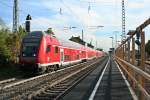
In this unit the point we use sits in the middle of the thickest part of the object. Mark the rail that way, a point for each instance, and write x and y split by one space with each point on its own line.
22 89
135 71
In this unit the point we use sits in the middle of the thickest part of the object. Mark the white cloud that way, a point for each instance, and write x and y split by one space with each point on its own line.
75 13
137 4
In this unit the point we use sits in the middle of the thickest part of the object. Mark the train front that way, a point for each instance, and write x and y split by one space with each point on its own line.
30 50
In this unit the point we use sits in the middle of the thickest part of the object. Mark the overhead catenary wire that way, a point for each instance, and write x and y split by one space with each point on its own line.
24 12
72 12
5 4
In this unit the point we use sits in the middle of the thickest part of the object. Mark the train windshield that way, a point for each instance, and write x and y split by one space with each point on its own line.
30 47
30 50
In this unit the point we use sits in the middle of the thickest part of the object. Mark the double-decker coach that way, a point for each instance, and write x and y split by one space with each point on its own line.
42 52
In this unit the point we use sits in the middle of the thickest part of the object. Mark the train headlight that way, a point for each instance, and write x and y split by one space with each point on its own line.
34 54
23 55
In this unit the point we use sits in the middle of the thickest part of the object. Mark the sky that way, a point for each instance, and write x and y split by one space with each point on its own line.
82 14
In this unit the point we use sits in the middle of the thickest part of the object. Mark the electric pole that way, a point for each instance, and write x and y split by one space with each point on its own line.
123 21
15 16
82 35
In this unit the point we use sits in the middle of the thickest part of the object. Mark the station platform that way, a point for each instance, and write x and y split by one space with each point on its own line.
112 85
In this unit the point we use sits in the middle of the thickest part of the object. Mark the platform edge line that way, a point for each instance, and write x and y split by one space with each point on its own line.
127 83
98 82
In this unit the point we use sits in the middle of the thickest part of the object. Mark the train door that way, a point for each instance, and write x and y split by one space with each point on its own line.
48 53
61 56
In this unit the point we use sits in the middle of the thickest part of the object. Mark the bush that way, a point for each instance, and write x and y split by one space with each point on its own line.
10 46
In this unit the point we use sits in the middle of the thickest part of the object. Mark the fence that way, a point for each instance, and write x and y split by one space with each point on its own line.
133 63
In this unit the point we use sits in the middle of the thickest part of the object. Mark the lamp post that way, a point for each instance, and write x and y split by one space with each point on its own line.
115 32
112 40
118 43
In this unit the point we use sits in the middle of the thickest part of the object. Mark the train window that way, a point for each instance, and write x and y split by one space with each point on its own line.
77 56
48 49
67 57
56 49
29 50
83 52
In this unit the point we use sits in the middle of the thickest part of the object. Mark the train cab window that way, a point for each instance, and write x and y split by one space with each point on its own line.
48 49
29 49
56 49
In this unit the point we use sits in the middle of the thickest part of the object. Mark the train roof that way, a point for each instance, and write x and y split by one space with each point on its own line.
70 44
36 33
63 42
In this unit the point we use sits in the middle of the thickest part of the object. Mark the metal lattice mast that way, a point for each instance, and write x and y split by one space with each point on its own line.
15 16
123 21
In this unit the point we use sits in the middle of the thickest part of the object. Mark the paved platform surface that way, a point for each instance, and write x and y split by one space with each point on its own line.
111 87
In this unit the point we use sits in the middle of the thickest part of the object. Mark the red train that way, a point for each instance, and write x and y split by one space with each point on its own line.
41 52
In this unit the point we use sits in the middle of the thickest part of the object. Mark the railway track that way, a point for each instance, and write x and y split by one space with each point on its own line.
6 82
23 76
26 89
57 91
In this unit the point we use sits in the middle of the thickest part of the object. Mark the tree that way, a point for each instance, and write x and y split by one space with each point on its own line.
4 49
14 43
49 31
10 45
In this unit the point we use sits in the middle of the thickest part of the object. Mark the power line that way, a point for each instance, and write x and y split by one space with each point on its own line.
5 4
9 6
16 13
89 8
71 11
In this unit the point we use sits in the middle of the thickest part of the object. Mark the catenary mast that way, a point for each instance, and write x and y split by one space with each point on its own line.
15 16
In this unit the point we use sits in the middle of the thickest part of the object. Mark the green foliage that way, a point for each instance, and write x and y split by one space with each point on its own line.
21 32
147 47
10 45
49 31
4 50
